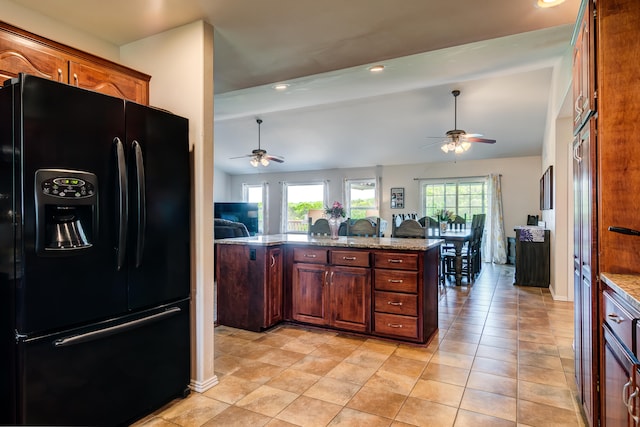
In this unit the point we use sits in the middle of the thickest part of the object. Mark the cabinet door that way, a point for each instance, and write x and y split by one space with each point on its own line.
108 81
350 298
618 384
19 55
309 294
583 66
273 300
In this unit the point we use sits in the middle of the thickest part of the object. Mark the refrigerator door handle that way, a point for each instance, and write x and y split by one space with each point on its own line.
142 211
103 333
123 207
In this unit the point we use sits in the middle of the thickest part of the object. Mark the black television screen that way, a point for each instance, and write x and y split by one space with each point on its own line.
246 213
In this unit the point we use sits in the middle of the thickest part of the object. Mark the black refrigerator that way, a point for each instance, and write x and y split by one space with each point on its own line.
94 256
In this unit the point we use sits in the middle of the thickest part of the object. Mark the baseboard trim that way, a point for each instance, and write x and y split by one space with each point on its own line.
202 386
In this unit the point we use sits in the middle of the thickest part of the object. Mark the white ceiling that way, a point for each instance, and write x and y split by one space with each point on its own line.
336 114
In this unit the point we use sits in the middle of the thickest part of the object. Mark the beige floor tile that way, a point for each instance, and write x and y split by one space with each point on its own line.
308 412
352 373
274 340
352 418
418 412
334 351
496 367
497 353
300 346
195 410
439 392
267 400
238 417
367 358
491 404
332 390
415 353
279 357
540 375
377 401
401 365
315 365
279 423
446 374
258 372
294 381
540 360
450 345
396 383
230 389
452 359
493 383
560 397
536 414
474 419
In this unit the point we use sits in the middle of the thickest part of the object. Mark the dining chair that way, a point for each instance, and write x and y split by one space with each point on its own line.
409 228
431 224
319 228
363 228
458 223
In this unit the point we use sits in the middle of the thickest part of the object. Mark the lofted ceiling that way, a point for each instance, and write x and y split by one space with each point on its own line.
337 114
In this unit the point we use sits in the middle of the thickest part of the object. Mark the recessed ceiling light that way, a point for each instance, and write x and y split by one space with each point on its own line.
281 86
549 3
376 68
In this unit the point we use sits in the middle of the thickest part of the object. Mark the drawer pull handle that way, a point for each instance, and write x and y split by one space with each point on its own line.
349 258
625 392
396 281
615 317
394 261
310 256
394 303
394 325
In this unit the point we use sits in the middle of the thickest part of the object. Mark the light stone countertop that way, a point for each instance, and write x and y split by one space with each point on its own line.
341 242
626 285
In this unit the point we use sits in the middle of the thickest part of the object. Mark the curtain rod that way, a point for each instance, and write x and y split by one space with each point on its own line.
454 177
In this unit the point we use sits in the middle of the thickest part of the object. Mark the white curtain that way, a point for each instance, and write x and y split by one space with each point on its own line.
494 246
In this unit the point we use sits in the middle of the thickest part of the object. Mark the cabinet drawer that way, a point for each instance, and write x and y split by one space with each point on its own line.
394 280
312 255
396 303
619 319
394 324
353 258
396 261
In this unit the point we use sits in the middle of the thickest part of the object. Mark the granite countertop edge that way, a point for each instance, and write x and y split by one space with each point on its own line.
341 242
627 286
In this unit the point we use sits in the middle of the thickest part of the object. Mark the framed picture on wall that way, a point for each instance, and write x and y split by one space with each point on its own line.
546 189
397 198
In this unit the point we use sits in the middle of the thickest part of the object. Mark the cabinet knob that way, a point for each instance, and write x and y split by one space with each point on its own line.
614 317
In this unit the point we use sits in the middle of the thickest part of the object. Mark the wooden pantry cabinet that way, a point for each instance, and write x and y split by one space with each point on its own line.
25 52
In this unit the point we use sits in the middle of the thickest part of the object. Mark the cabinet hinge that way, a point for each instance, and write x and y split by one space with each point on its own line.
595 94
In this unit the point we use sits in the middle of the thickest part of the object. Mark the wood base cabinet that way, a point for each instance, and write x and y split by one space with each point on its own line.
249 286
331 288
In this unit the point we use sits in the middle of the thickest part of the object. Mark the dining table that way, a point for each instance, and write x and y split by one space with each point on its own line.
457 237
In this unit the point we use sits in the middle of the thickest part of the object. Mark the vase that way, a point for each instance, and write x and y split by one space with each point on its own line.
334 226
443 226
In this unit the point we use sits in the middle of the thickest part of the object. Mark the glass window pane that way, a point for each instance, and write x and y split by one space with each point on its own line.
299 199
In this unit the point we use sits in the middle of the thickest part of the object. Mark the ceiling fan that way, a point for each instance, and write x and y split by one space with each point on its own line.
260 156
458 140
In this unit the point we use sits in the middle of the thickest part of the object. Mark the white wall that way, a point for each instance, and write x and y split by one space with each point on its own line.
181 63
520 185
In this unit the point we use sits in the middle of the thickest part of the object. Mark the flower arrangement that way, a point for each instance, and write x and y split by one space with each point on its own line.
336 210
445 215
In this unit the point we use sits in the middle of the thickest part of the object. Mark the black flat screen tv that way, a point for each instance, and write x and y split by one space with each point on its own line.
244 212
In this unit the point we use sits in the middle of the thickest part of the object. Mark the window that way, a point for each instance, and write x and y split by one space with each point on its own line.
298 199
464 196
361 198
256 194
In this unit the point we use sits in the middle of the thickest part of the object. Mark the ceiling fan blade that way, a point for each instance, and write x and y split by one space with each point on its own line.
485 140
242 157
274 158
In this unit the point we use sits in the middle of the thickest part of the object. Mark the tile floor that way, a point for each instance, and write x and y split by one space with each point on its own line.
502 357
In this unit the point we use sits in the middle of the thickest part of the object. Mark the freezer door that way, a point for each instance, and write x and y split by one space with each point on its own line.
107 374
159 182
62 129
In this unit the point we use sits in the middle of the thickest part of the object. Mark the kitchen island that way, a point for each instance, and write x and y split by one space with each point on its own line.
383 287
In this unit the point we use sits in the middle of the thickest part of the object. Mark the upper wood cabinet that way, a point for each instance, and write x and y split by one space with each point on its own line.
583 68
24 52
